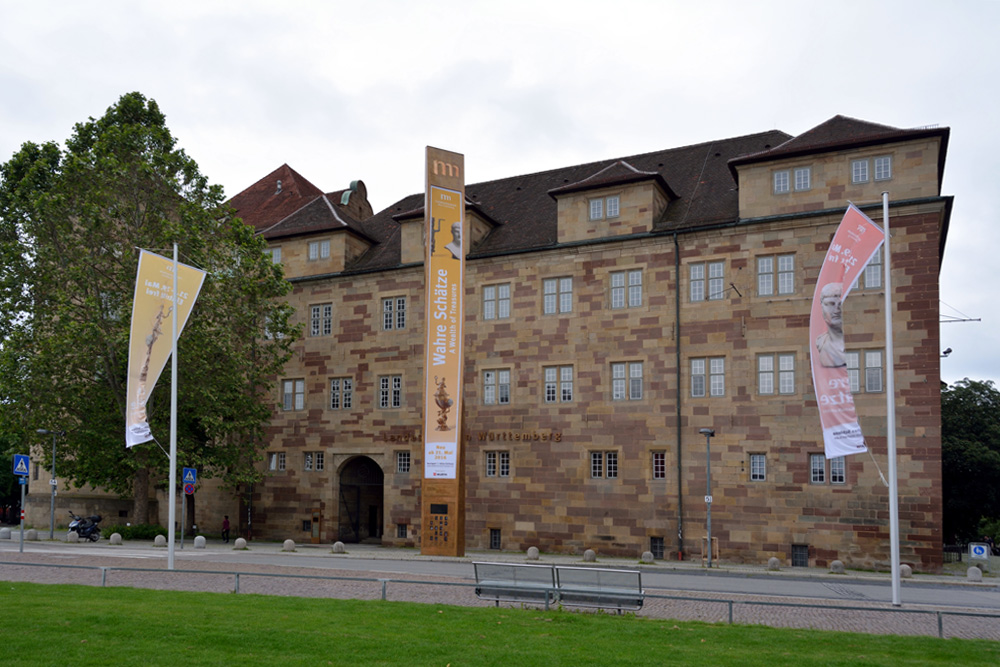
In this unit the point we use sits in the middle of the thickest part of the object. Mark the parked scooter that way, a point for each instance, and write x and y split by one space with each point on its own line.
86 527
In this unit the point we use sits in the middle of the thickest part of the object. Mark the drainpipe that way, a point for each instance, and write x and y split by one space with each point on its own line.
677 348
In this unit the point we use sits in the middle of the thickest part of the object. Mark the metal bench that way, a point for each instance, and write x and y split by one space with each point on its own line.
570 586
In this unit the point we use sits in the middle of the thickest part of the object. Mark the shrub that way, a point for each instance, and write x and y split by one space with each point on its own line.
139 531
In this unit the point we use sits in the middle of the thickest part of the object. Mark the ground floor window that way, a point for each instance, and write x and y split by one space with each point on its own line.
494 538
656 547
800 555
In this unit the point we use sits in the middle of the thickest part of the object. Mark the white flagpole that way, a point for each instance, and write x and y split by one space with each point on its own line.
890 399
172 512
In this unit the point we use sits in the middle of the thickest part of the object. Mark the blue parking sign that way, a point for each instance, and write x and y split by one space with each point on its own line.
22 463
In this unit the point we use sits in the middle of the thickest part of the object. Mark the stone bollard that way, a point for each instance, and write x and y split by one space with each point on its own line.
837 567
199 542
905 571
589 556
338 548
72 537
646 557
116 538
160 541
4 533
532 553
774 563
288 545
31 535
240 543
974 574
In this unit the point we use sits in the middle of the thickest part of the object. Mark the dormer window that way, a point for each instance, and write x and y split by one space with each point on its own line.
319 250
604 207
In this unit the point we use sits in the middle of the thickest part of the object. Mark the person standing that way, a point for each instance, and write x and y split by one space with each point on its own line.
225 528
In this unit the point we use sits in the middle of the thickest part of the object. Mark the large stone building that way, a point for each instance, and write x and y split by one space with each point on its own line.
613 310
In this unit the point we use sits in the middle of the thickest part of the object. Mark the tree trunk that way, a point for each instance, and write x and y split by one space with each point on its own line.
140 503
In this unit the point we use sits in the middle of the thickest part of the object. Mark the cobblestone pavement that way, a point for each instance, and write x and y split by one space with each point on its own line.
204 575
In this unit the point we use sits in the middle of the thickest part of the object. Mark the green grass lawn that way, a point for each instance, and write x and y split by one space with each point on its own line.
82 625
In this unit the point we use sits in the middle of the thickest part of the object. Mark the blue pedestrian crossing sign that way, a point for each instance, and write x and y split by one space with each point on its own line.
21 464
190 476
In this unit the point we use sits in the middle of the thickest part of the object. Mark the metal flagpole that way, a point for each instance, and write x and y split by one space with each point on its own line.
172 512
890 399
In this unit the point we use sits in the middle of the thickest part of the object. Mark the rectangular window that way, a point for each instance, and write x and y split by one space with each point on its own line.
859 171
293 394
274 254
853 370
498 464
341 393
775 271
308 463
611 206
491 464
277 461
390 393
321 320
803 178
319 250
597 464
710 289
717 376
883 168
558 384
558 295
604 464
656 547
800 555
505 464
776 372
873 371
401 530
838 470
495 538
496 387
402 462
659 465
626 381
496 302
781 183
596 209
817 468
758 468
873 272
394 313
604 208
626 289
698 384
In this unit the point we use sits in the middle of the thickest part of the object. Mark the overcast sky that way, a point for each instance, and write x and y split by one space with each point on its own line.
355 90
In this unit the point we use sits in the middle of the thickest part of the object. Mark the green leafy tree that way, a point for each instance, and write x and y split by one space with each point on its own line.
71 224
970 452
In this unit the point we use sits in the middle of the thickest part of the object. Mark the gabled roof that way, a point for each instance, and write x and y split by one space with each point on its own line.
841 133
619 172
274 198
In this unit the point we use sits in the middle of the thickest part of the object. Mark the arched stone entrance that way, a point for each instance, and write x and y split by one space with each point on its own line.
361 501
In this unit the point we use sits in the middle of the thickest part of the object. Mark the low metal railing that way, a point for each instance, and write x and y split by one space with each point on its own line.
383 583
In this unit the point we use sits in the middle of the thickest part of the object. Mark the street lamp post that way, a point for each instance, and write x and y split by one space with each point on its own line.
52 482
708 433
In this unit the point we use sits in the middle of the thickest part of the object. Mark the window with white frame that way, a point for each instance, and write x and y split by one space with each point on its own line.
775 275
758 468
394 313
557 295
818 469
402 462
708 376
883 168
781 182
496 387
496 302
308 462
314 461
498 463
321 319
274 253
626 289
859 171
871 277
604 465
707 281
293 394
776 373
319 250
871 373
390 391
803 178
626 381
341 393
558 384
604 207
659 465
277 461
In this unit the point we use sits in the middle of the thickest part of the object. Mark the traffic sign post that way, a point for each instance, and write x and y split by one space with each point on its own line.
979 551
189 476
22 465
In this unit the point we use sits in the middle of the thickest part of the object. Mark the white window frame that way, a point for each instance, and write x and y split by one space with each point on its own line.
776 274
321 319
307 462
390 394
781 182
557 295
626 289
776 373
604 464
873 371
659 463
883 168
319 250
393 313
859 171
496 301
274 253
803 179
707 281
716 376
341 393
600 208
626 381
496 386
402 462
277 462
293 395
833 472
838 470
558 386
758 468
817 469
